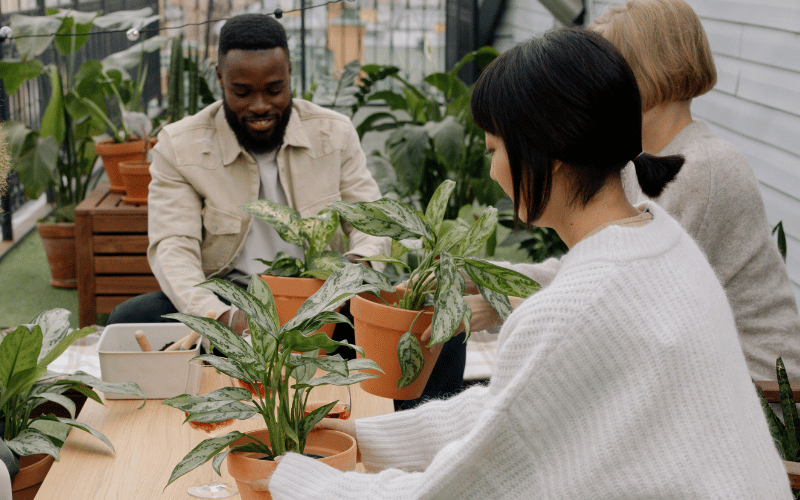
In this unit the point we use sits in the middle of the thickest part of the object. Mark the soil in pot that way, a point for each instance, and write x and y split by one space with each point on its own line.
58 239
337 449
113 153
32 472
378 328
136 178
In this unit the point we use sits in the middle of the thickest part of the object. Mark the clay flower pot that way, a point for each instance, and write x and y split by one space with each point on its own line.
337 449
58 239
113 153
136 178
290 293
33 469
378 329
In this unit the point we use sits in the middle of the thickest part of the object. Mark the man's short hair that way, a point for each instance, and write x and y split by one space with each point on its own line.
665 45
252 32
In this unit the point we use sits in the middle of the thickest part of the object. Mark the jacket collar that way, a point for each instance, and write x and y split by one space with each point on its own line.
230 148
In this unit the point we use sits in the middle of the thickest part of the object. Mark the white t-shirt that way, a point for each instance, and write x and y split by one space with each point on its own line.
262 241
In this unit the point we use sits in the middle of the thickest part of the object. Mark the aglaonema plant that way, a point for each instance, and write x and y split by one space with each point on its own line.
446 256
26 383
279 367
312 235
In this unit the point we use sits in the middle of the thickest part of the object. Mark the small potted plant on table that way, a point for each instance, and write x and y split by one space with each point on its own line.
292 280
278 373
388 327
31 441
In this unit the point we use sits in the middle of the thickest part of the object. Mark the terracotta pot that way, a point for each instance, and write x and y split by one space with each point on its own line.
793 469
136 178
58 239
290 293
378 329
337 449
114 152
32 471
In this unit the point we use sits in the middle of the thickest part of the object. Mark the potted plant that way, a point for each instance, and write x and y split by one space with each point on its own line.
437 281
292 280
278 368
32 441
62 153
785 433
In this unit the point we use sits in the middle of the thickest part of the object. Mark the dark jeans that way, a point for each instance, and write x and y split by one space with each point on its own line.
446 380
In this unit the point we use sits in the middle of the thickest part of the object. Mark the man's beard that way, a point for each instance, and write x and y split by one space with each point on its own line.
258 145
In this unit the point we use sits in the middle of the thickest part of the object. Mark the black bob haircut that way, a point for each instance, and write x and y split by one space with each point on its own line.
252 32
570 96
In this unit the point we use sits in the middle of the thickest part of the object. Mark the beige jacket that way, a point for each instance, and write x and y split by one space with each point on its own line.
201 176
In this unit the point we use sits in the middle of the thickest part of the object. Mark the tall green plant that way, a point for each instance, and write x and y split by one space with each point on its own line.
447 256
61 153
433 137
188 88
279 366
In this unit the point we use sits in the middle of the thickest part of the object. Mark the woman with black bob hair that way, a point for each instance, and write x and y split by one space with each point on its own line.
622 379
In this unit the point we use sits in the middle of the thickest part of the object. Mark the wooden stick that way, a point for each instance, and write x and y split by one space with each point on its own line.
176 346
141 338
188 341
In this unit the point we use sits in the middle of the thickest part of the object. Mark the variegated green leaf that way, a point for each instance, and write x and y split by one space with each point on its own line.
225 411
298 342
310 420
405 216
336 379
500 279
202 453
479 232
55 326
269 324
329 261
286 266
221 336
284 219
409 353
101 385
58 399
227 366
334 364
362 364
438 203
340 287
301 371
398 249
449 306
368 219
61 346
80 425
32 442
450 239
320 229
499 301
260 311
389 260
56 431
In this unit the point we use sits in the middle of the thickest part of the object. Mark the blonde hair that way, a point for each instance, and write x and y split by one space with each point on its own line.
665 45
5 161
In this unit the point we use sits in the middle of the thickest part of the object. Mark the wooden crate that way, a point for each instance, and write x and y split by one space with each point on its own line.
111 246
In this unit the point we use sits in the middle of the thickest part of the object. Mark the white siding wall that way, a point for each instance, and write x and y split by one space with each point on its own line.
756 103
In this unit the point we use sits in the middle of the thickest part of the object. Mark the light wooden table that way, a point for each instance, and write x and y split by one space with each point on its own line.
149 442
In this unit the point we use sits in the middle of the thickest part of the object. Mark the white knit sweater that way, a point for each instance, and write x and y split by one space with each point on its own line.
623 379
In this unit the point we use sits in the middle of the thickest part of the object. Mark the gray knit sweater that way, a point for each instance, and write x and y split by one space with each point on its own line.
623 379
716 199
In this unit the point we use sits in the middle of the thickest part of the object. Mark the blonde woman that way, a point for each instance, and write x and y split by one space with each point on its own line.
715 197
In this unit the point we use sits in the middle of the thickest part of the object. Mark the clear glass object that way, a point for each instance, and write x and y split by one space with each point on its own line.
324 394
204 378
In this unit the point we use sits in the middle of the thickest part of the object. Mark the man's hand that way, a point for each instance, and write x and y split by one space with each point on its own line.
355 259
239 323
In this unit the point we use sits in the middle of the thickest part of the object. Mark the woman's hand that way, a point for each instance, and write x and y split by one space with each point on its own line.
484 317
346 426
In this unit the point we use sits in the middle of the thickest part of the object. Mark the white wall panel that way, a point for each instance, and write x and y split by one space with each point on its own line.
771 47
727 74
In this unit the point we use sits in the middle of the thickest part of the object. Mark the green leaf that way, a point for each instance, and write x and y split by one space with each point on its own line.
406 147
19 351
260 310
368 219
393 99
776 427
53 124
37 165
86 428
202 453
438 204
479 232
55 327
298 342
124 19
405 216
33 442
133 55
320 230
452 237
790 417
336 379
17 73
227 366
449 306
335 364
500 279
368 124
449 140
286 266
328 261
221 336
31 34
101 385
309 421
409 353
499 301
78 25
285 220
264 332
450 85
60 400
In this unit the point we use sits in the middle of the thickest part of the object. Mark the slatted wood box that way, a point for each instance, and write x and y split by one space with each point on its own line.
111 246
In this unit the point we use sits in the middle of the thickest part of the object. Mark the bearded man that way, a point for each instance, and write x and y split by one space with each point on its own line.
257 143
